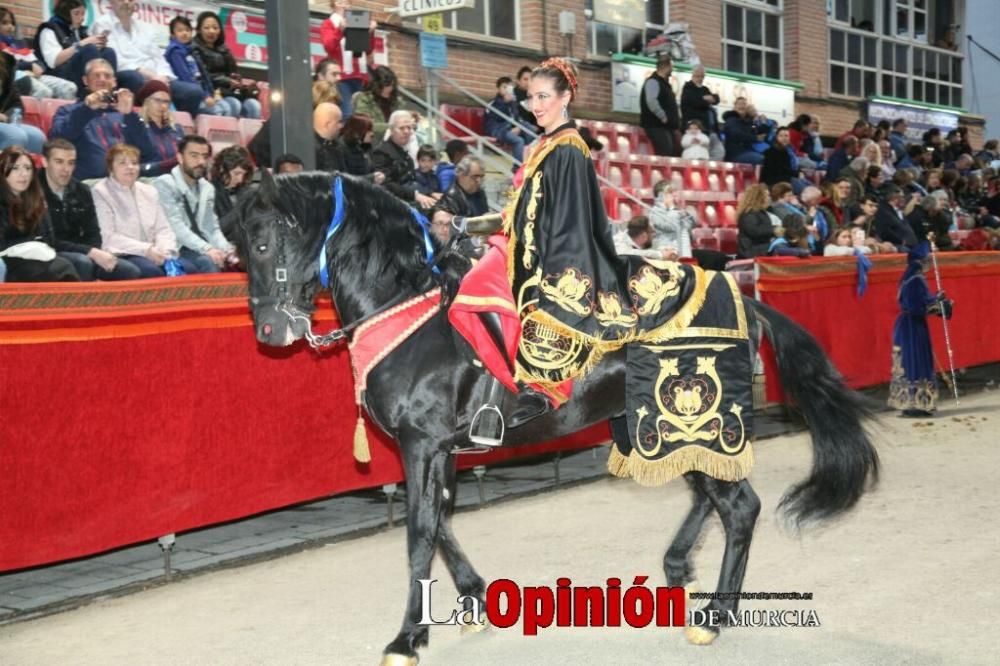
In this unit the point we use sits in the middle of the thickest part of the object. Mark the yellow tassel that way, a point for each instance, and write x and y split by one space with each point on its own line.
361 452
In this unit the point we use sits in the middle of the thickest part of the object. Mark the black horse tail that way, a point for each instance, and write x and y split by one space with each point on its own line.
844 460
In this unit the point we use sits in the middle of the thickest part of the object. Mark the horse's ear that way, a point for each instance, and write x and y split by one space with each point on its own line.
268 192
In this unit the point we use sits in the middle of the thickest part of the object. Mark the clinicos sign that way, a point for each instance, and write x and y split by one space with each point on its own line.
421 7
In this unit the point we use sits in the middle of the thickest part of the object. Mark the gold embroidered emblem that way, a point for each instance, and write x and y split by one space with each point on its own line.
611 313
650 289
689 409
545 348
570 290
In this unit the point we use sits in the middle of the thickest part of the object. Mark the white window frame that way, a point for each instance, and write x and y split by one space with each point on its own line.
764 8
591 30
912 46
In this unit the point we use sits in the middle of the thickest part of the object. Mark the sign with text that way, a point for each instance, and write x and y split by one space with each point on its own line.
775 102
918 120
433 23
627 13
410 8
433 51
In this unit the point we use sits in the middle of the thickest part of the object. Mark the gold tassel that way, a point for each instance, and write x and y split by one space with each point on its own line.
361 452
690 458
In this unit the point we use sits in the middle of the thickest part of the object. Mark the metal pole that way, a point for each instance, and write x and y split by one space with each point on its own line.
289 70
944 322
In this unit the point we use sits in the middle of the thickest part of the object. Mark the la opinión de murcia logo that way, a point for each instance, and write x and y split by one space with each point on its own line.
595 606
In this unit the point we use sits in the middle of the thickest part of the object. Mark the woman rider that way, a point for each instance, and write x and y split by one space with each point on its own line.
569 304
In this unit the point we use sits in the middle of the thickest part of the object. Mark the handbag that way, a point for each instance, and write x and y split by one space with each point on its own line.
33 250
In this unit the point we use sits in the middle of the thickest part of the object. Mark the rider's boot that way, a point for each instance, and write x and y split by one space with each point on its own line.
488 425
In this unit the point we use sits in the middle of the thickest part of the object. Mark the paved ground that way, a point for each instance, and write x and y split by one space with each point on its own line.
907 578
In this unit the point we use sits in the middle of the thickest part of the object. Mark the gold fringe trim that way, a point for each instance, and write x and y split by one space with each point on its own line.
691 458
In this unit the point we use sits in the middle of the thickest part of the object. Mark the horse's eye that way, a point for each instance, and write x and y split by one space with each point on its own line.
262 248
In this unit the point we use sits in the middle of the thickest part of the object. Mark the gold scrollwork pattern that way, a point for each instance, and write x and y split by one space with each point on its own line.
649 288
610 311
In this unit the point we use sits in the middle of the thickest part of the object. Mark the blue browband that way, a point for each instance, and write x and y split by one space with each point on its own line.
338 219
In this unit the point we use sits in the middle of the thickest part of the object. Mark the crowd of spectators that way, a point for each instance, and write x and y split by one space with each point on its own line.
125 193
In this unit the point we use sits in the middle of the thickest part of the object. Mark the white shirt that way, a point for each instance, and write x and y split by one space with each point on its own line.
50 47
136 49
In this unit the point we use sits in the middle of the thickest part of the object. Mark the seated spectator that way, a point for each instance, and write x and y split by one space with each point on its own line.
784 202
862 130
636 239
161 126
326 131
820 220
466 197
741 134
954 146
890 223
897 138
934 144
232 172
133 224
854 175
188 201
23 218
525 117
874 180
694 142
289 163
844 243
139 58
426 173
833 199
392 159
793 241
63 46
755 227
888 159
103 119
455 149
379 100
849 149
357 139
989 154
14 133
812 143
210 45
863 226
672 224
780 163
928 220
31 77
187 66
75 229
503 128
441 225
765 128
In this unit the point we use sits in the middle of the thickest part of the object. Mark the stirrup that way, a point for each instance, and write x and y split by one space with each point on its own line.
483 413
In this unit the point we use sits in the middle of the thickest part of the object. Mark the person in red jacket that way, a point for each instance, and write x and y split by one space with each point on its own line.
354 69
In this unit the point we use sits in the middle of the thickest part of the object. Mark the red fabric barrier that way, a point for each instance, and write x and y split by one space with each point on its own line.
129 411
821 295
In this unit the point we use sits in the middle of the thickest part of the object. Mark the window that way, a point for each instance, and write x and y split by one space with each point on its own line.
604 39
751 38
494 18
896 59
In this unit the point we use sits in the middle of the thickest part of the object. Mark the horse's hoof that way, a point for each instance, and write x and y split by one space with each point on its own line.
700 635
475 628
393 659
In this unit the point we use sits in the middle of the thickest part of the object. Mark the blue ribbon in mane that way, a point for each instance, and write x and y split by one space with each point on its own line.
338 219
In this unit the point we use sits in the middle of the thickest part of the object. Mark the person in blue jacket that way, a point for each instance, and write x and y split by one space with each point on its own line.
187 65
499 127
104 118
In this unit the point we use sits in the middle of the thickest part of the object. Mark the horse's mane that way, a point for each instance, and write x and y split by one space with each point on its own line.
379 235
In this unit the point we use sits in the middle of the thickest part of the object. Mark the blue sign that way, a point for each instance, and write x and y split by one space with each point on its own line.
918 119
433 51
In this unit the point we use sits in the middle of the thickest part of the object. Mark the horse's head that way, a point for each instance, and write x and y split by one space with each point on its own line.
279 250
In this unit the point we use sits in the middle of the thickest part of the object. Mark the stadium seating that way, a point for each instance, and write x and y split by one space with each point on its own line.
33 112
221 131
184 119
248 129
49 108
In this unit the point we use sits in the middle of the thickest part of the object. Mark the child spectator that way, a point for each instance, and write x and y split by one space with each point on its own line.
794 240
187 65
426 173
501 128
846 243
31 76
694 142
455 149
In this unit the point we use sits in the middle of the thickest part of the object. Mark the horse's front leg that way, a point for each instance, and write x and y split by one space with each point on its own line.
467 581
425 465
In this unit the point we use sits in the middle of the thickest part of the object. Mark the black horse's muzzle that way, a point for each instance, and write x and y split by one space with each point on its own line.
279 323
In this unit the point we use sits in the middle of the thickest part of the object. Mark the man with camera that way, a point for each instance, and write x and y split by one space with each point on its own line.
104 118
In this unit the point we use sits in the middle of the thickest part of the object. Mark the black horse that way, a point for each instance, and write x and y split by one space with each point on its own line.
422 393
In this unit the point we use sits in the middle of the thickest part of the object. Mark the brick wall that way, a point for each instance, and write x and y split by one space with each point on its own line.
28 13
